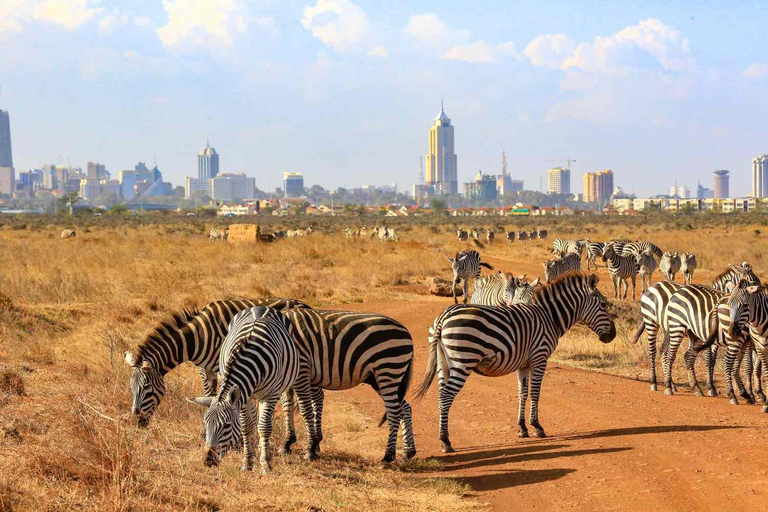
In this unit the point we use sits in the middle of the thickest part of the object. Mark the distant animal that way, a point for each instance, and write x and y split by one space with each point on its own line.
363 232
647 265
258 360
670 264
533 235
522 236
511 236
392 235
489 236
570 262
383 233
562 246
594 251
349 233
543 234
69 233
465 266
688 266
621 269
216 235
461 235
475 234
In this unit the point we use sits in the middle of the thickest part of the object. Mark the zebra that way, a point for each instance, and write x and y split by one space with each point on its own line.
502 289
621 268
635 248
383 233
594 250
475 234
646 264
670 264
489 236
495 341
511 237
363 232
543 234
688 266
347 349
194 336
522 236
461 235
69 233
216 234
392 236
349 233
562 265
533 235
259 360
466 265
562 246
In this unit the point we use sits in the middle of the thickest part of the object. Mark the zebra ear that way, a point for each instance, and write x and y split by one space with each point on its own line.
755 289
535 282
202 401
593 280
233 395
132 359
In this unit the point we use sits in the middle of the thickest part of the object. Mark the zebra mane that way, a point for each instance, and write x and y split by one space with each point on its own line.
725 274
177 321
559 282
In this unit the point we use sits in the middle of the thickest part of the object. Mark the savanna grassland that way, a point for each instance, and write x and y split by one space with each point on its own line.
70 308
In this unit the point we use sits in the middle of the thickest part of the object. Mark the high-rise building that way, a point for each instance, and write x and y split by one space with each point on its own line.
233 187
97 171
760 176
483 188
680 192
7 181
442 164
127 179
722 190
207 163
704 193
598 187
559 181
197 187
504 180
293 184
6 156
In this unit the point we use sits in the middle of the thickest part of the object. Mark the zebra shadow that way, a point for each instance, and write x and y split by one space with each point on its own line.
657 429
512 478
515 455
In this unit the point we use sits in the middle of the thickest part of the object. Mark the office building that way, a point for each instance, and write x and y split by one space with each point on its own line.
483 188
90 188
197 187
97 171
111 189
207 163
50 178
559 181
681 192
293 184
127 179
7 181
598 187
704 193
6 156
760 176
722 189
442 163
233 187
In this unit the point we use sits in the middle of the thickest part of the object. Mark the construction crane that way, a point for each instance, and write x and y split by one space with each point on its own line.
569 160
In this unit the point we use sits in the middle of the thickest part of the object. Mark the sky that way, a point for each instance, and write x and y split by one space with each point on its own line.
345 91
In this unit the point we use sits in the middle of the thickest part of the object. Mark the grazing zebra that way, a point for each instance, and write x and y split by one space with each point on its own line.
522 236
69 233
635 248
670 264
621 268
349 233
688 266
562 246
533 235
568 263
496 341
347 349
543 234
392 236
363 232
502 289
461 235
475 234
215 235
194 336
489 236
511 237
259 360
646 264
383 233
594 250
466 265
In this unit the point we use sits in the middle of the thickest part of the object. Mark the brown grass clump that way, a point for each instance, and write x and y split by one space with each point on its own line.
11 383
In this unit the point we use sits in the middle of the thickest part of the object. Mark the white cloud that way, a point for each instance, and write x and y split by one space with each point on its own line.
756 70
12 12
142 21
380 51
549 50
195 23
508 49
429 28
478 52
109 22
339 24
267 23
70 14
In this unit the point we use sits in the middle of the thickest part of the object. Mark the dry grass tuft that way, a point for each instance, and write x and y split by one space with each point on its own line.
11 383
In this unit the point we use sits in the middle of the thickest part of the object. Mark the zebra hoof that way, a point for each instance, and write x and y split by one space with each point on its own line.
522 433
409 454
733 401
760 398
285 450
654 387
668 391
539 432
698 392
246 469
310 455
712 392
446 447
765 408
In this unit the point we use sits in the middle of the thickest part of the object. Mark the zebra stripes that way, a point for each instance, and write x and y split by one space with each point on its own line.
635 248
216 234
496 341
647 265
461 235
489 236
621 268
502 289
562 246
259 360
68 233
522 236
594 251
465 266
511 236
570 262
670 264
346 349
543 234
755 310
688 266
194 336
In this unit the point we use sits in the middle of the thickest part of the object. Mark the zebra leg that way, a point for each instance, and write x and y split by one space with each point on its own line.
456 281
248 424
450 386
406 430
652 333
317 407
729 363
762 358
669 360
522 397
748 371
536 378
616 284
737 376
690 365
209 386
760 396
266 414
466 290
710 358
634 286
288 404
304 390
388 392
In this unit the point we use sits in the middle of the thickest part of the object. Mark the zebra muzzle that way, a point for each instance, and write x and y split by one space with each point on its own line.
211 457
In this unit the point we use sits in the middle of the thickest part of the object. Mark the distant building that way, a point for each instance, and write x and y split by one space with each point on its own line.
681 192
50 179
197 187
7 181
442 163
293 184
598 187
97 171
127 179
422 193
6 155
233 187
722 189
559 181
111 189
704 193
90 188
483 188
207 163
760 176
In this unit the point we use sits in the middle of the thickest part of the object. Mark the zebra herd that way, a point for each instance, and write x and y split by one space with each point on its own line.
464 234
383 233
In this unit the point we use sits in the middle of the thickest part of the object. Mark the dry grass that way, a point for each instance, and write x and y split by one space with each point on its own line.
69 308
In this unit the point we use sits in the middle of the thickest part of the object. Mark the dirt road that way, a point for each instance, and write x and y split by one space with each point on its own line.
613 444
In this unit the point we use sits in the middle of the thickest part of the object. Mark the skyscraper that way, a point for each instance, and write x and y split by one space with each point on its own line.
207 163
760 176
442 172
721 184
598 187
559 181
6 157
293 184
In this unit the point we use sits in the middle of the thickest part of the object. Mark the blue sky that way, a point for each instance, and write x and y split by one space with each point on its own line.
345 91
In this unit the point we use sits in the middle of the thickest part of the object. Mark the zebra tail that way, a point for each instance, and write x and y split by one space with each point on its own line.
638 333
483 264
665 344
435 344
704 345
405 383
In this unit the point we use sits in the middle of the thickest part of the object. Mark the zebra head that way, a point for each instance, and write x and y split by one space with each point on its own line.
594 310
746 272
147 387
738 305
524 290
609 252
222 423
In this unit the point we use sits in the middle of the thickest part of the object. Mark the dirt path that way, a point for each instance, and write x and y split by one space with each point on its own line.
613 444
